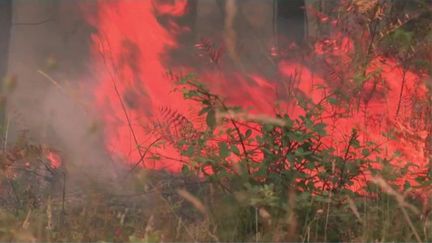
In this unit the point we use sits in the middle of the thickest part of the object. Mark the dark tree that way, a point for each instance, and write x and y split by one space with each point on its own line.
290 20
5 28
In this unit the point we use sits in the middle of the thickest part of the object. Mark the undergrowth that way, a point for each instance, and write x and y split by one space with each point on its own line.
245 177
248 178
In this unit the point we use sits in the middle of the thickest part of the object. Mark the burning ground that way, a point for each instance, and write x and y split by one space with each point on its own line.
180 109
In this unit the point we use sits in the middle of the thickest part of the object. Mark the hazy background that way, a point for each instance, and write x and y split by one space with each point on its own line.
52 36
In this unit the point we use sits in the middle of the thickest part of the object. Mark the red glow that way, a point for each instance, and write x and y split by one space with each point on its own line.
128 50
54 159
129 53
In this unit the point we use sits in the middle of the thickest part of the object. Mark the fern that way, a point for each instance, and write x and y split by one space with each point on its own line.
173 127
210 49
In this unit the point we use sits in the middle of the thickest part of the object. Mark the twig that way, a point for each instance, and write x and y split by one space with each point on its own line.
175 214
401 202
217 99
353 137
144 154
64 194
35 23
14 190
6 134
401 91
113 79
61 88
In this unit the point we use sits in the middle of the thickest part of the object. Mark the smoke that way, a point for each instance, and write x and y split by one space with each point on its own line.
106 58
49 55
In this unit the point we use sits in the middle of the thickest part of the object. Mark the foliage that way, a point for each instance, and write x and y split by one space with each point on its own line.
280 166
246 177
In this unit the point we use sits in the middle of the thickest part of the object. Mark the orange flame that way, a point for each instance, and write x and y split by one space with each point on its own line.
130 53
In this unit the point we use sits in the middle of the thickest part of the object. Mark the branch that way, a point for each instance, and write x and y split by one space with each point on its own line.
113 79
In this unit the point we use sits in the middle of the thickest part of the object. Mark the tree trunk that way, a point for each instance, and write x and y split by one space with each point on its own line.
5 28
290 21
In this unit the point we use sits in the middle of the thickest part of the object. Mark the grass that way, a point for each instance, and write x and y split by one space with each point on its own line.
159 206
42 203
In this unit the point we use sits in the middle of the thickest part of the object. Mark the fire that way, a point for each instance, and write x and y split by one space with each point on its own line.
54 159
130 54
128 57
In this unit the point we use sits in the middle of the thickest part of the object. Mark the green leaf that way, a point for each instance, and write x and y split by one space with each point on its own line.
332 100
322 199
359 78
407 185
268 127
288 121
235 150
189 151
320 129
390 134
248 133
310 165
189 77
397 154
300 152
204 110
365 152
308 122
185 169
211 119
223 149
297 136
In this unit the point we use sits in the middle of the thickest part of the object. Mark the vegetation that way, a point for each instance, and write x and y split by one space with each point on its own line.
245 177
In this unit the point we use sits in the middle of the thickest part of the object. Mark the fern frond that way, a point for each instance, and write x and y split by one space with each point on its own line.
173 126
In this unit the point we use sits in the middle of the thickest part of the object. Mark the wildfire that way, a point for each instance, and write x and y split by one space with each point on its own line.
131 53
